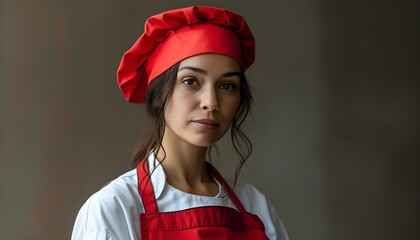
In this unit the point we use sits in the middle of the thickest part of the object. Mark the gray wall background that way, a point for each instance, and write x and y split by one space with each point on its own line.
335 123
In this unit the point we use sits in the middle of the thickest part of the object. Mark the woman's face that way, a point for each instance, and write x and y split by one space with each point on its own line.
205 98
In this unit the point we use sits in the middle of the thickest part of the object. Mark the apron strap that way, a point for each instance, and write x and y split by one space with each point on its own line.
228 189
145 187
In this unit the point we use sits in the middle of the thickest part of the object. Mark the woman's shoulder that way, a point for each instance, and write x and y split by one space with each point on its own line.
247 193
117 196
123 187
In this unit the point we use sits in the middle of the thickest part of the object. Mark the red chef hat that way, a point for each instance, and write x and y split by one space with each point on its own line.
175 35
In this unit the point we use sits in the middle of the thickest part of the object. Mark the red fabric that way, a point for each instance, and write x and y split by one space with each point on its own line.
174 35
213 222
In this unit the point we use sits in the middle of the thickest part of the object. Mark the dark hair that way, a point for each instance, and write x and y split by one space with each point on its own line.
158 94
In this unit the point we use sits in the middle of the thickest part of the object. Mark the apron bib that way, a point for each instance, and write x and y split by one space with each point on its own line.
208 222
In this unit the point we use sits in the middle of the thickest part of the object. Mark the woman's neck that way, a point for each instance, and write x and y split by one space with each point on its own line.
185 167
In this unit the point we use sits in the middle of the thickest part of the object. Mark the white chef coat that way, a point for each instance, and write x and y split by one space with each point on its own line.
113 213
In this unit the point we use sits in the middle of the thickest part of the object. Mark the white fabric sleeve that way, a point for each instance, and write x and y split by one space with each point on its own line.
88 225
110 214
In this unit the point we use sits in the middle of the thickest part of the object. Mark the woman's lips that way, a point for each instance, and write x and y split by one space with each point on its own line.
206 124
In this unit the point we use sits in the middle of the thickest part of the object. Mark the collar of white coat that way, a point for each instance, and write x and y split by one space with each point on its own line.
158 177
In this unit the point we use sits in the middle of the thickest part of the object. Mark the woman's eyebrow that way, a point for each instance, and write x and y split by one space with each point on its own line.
194 69
204 72
231 74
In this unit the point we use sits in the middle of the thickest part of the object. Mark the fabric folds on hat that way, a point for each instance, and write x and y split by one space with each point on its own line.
175 35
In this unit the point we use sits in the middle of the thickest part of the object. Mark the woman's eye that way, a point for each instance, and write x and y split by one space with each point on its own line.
189 81
228 86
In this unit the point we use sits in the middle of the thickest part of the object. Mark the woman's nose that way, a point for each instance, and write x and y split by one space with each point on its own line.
209 100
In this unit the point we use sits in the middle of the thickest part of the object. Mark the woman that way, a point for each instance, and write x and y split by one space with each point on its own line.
188 68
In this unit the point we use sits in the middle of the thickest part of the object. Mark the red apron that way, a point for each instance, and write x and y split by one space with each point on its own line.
211 222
